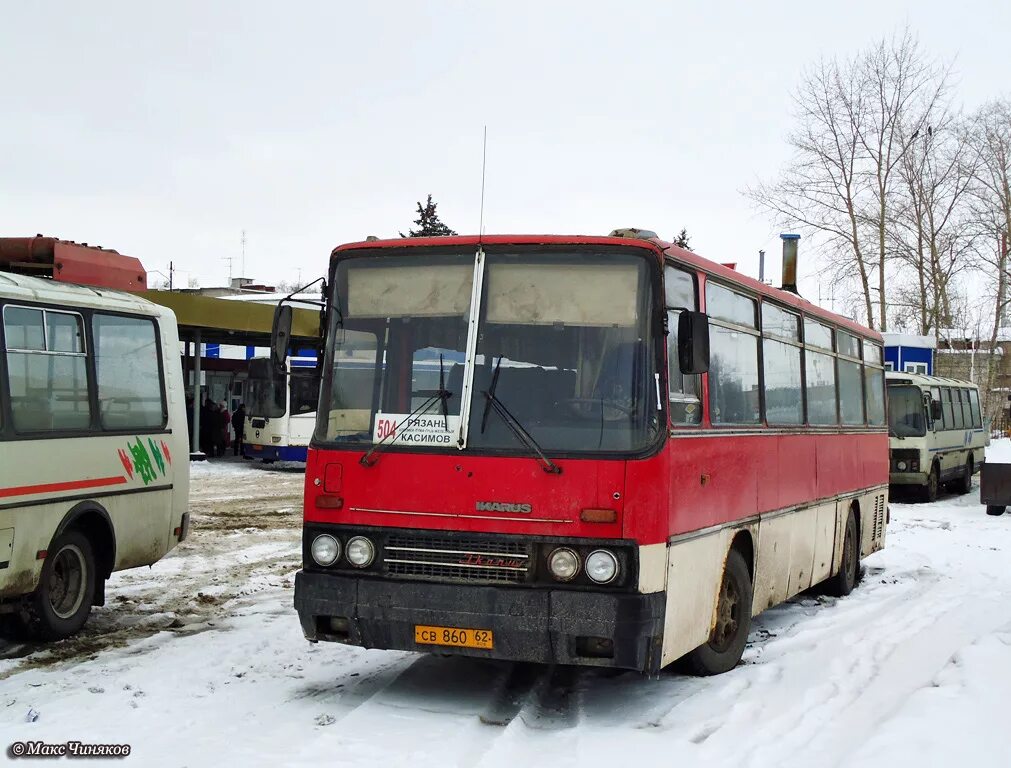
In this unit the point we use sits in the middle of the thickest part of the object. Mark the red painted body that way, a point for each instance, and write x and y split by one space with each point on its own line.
700 477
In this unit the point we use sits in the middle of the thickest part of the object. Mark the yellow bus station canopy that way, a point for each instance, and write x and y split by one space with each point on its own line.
226 321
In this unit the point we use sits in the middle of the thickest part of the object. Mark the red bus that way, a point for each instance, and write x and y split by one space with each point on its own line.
580 450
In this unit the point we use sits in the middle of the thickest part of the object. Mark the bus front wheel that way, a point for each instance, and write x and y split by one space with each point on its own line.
60 605
733 621
929 490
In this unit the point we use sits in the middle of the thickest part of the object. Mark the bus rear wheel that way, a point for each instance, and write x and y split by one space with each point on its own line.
733 622
995 509
60 605
964 484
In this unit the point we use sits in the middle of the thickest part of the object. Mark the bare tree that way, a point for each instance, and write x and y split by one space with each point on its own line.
990 133
933 235
822 186
856 121
902 88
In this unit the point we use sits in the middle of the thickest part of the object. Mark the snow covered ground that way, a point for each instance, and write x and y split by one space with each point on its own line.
200 660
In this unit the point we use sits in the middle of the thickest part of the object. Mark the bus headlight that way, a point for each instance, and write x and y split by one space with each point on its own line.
563 564
360 552
901 466
325 549
601 566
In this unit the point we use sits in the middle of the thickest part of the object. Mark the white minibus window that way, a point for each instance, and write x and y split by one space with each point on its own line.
48 384
129 385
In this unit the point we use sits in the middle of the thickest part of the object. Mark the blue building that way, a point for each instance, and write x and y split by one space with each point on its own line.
909 353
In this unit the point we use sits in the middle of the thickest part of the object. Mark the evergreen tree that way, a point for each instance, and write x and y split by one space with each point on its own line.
429 224
681 239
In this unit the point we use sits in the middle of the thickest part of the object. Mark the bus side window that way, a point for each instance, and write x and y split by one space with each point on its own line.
956 407
874 381
937 415
949 421
49 392
733 348
967 420
781 358
974 407
685 389
126 359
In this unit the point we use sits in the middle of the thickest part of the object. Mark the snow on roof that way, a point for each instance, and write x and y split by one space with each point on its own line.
909 340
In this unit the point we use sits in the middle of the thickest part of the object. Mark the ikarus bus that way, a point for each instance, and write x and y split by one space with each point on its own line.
94 469
936 433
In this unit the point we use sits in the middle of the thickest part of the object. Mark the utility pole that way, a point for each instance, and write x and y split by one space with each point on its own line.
170 272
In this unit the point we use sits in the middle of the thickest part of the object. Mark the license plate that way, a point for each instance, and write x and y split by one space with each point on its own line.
454 636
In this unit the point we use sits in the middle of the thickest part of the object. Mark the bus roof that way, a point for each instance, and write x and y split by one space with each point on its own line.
918 379
660 247
69 295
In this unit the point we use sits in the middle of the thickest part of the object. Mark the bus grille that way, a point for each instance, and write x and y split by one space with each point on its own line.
457 559
879 517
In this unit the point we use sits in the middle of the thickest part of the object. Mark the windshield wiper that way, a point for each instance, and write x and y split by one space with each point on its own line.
492 401
433 397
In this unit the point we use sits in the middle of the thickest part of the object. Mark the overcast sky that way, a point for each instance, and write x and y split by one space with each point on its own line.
165 133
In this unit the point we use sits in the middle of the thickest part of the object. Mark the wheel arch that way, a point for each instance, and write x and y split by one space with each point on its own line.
744 544
92 520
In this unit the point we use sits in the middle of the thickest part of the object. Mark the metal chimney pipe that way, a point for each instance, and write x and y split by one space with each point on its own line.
790 262
761 266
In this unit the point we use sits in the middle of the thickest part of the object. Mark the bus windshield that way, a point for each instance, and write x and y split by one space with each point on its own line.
906 416
564 345
263 396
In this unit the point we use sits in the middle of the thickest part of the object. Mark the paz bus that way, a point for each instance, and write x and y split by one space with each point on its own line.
627 453
94 457
936 433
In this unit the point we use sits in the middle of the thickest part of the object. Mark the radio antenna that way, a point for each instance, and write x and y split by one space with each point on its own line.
484 165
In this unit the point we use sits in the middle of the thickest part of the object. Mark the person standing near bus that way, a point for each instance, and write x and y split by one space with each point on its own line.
238 426
207 420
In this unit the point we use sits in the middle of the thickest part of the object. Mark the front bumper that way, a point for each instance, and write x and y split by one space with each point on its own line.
533 625
274 452
907 478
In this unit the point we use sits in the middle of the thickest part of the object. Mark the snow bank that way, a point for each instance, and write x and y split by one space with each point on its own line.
999 451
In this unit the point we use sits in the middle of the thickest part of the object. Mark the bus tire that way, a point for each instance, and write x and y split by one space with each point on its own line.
843 582
62 602
995 509
725 646
963 485
928 492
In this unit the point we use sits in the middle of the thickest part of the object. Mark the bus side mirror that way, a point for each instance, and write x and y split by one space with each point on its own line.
693 342
280 335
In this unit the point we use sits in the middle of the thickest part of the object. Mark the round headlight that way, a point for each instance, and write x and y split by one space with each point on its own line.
325 549
901 466
563 564
601 566
360 552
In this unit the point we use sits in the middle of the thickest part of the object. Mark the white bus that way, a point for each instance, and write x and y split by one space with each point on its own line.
285 437
936 433
94 460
